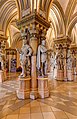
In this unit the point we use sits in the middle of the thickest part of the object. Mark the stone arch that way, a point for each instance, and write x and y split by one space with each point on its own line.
69 11
18 8
10 10
72 23
56 17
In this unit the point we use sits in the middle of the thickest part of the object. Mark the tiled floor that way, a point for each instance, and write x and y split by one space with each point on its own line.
62 103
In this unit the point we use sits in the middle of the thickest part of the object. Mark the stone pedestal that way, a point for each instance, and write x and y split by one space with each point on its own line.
43 91
5 75
24 88
70 75
60 75
50 76
75 74
2 77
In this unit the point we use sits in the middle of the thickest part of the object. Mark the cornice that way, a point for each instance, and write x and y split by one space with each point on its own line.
62 40
33 18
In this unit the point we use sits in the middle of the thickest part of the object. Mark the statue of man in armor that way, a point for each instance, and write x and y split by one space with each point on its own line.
25 54
42 59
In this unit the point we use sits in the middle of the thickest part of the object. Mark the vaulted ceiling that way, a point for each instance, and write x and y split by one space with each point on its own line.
63 17
61 13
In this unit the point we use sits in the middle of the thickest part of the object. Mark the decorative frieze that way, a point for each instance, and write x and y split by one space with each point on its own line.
33 18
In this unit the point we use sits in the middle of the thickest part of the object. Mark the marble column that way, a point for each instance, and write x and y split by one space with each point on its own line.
33 44
3 40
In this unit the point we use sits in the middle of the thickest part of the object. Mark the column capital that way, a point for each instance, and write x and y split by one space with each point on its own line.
3 38
73 48
33 18
63 41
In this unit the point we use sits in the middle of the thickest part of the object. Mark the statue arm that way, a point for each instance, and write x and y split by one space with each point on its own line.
18 50
30 51
38 57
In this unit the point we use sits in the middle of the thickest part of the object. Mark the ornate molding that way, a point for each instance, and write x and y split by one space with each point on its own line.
33 18
3 38
64 41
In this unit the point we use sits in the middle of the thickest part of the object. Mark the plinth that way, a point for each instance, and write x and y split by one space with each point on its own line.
50 76
60 75
24 88
70 75
2 76
43 91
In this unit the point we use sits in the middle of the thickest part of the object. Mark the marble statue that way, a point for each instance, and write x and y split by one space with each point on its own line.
60 60
1 60
69 60
53 65
25 54
52 60
42 59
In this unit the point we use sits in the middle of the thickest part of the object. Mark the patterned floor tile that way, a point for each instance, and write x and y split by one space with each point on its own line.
62 103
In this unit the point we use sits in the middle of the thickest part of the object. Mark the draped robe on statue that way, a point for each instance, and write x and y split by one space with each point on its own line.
42 59
1 61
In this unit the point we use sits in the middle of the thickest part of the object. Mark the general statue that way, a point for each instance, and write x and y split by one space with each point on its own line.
1 60
42 59
60 60
25 54
69 60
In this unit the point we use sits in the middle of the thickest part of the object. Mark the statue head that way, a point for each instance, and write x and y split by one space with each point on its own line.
43 42
25 41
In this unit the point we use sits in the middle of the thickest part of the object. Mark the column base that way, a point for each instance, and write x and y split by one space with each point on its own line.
2 76
65 79
5 75
33 95
50 76
23 94
24 88
43 91
60 75
70 75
